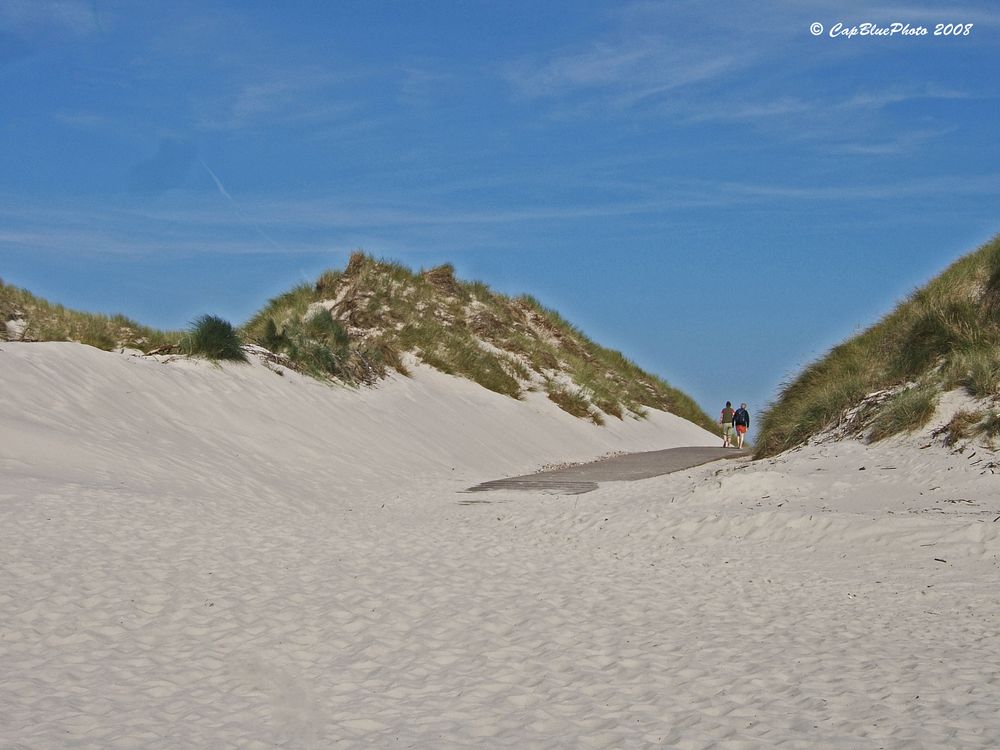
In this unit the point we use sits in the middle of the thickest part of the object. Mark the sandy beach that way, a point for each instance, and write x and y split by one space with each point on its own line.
198 555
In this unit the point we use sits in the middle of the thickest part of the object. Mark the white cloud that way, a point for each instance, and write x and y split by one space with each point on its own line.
283 97
623 75
901 143
751 66
83 119
216 180
928 187
649 52
792 111
75 16
420 85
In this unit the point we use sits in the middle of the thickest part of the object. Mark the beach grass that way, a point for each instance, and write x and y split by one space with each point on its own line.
908 410
44 321
963 425
944 335
990 426
355 325
213 337
574 402
509 345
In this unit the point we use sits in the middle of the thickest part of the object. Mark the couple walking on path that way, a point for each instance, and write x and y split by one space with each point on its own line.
738 419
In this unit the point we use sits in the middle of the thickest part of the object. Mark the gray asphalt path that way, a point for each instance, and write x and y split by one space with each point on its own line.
575 480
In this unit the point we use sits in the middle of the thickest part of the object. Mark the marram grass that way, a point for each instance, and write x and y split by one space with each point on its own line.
945 335
50 322
465 329
213 338
353 326
908 410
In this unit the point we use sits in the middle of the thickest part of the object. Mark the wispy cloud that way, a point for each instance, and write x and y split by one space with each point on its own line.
926 187
623 74
191 225
733 69
816 105
79 242
30 16
857 124
421 85
284 97
600 66
87 120
216 180
897 95
901 143
649 51
232 201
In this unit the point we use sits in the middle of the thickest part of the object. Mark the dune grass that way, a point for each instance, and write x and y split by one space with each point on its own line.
51 322
963 425
977 370
574 402
314 342
506 344
212 337
945 335
908 410
354 325
990 426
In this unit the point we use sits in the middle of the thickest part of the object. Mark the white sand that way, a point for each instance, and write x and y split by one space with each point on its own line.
196 556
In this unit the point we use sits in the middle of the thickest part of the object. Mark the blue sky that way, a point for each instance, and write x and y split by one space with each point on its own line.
720 194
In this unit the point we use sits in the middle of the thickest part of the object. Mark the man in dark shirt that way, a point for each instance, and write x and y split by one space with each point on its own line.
741 421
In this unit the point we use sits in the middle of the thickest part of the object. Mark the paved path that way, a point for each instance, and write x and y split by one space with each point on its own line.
575 480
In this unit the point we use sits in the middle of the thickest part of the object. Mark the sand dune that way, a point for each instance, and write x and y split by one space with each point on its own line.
197 556
86 414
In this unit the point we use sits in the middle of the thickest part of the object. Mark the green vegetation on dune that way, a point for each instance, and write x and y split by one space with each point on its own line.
463 328
213 338
39 320
354 326
909 409
945 335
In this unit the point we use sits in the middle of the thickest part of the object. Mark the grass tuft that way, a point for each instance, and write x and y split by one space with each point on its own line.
575 403
908 410
213 338
321 326
991 291
991 426
963 425
975 369
326 284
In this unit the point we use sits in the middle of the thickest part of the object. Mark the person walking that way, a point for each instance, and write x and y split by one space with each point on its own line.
741 421
726 420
